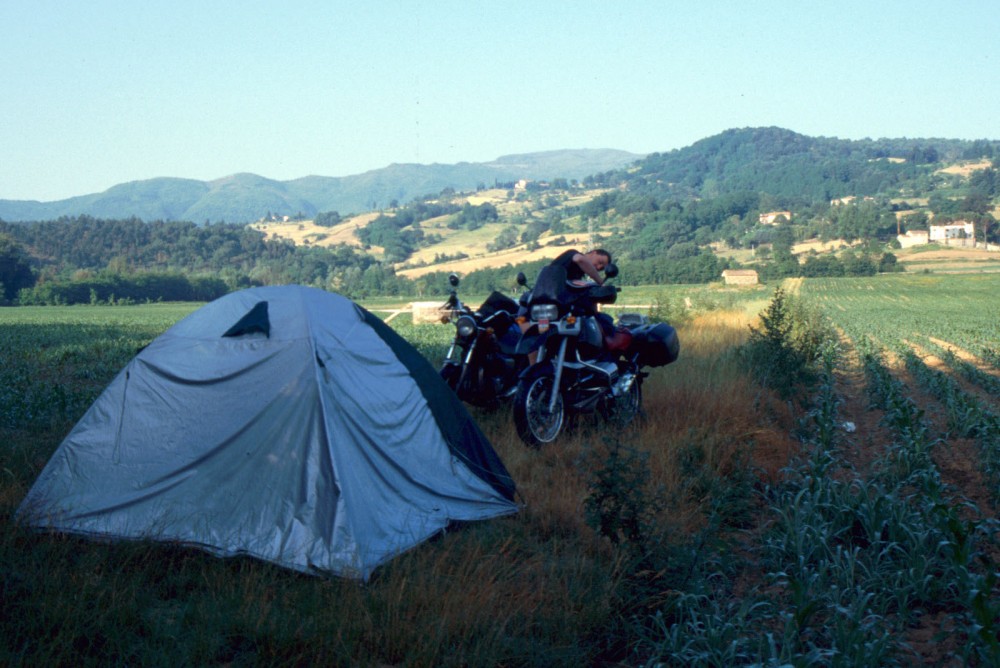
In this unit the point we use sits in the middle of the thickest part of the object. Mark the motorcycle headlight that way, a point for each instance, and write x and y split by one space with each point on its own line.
548 312
465 326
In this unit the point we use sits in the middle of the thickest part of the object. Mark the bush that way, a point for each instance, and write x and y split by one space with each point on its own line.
784 352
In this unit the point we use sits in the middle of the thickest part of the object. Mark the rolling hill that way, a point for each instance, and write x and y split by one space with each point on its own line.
680 216
244 198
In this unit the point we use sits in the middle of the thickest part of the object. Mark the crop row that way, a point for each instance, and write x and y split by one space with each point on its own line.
969 592
967 416
991 355
852 559
960 309
970 372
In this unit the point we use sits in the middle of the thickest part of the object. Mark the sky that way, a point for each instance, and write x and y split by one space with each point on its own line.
104 92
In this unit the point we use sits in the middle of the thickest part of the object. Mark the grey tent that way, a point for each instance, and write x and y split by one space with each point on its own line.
287 423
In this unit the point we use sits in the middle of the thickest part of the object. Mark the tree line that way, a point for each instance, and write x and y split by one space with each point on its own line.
83 259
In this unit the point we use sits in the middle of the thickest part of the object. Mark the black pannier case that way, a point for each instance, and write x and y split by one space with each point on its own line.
657 344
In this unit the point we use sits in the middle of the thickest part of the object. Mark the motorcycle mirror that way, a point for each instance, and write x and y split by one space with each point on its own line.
611 270
521 278
453 279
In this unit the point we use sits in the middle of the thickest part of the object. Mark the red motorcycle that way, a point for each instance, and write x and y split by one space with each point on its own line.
482 365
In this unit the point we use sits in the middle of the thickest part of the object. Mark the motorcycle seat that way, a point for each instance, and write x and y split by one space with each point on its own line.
619 340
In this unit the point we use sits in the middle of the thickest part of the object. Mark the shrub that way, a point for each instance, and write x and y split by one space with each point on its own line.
783 353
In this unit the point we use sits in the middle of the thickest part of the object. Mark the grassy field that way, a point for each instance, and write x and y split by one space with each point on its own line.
848 522
949 259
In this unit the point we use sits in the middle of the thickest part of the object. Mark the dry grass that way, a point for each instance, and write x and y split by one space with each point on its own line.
540 587
472 243
480 258
956 260
307 232
965 168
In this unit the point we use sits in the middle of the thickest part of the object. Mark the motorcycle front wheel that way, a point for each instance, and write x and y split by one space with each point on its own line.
536 424
450 374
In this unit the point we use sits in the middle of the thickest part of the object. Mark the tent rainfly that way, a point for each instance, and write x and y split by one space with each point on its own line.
286 423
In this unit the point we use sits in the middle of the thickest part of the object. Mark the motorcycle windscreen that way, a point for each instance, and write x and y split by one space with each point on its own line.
550 286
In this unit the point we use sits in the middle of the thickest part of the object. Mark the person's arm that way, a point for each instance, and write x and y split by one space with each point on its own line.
588 267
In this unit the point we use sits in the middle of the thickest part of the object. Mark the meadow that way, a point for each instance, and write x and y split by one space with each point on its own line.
849 521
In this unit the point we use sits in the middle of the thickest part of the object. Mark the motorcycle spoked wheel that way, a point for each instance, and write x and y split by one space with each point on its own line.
624 410
536 424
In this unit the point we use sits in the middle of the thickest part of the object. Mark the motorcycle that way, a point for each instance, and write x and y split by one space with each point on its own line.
481 365
585 362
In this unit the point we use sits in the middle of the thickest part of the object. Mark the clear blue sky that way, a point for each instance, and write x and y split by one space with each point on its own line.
103 92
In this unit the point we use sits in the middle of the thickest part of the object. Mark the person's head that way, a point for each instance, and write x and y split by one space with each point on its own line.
600 258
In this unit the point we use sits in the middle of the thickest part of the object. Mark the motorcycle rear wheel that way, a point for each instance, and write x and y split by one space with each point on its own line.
536 424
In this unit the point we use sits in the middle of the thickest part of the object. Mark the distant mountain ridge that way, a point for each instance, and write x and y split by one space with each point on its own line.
244 198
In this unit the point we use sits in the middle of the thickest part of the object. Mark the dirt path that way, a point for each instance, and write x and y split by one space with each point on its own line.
935 362
865 437
967 356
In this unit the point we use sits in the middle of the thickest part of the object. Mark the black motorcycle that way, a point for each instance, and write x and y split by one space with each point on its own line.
585 362
482 365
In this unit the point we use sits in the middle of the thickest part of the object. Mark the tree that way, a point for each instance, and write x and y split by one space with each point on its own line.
327 218
985 181
15 271
977 202
506 239
915 221
887 263
822 265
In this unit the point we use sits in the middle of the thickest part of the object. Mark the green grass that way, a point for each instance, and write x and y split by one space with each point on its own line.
743 545
540 587
963 310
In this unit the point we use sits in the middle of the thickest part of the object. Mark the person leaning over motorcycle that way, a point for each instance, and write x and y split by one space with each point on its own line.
590 264
578 265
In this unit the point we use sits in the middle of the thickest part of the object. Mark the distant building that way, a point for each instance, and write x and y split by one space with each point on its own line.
427 312
771 217
740 277
913 238
959 233
850 199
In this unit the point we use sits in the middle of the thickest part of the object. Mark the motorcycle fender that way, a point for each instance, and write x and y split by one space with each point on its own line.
536 371
531 340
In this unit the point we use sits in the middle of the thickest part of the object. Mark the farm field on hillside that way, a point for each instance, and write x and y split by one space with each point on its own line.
949 259
851 521
963 311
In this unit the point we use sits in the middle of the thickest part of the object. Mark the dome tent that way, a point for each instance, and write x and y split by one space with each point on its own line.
286 423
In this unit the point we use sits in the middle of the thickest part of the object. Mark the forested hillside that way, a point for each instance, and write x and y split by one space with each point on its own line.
88 259
677 217
786 164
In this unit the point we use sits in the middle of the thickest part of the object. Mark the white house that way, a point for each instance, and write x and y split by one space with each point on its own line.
913 238
740 277
771 217
959 231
